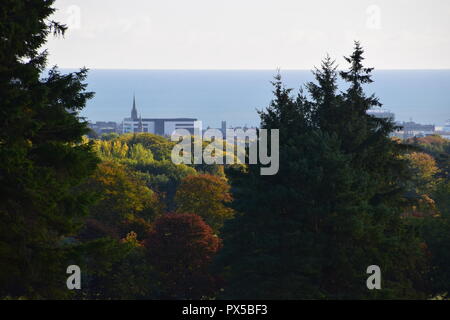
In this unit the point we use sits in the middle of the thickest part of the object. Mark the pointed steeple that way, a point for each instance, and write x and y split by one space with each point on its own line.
134 110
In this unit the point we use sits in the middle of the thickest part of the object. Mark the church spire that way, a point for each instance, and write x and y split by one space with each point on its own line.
134 110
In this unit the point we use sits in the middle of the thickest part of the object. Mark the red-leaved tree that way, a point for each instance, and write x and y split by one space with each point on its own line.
181 247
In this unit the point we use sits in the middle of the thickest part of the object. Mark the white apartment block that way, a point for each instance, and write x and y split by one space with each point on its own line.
160 126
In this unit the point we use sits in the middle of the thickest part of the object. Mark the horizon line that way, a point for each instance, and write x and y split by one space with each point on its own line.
243 69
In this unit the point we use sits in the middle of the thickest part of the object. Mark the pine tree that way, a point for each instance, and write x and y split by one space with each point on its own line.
334 207
42 157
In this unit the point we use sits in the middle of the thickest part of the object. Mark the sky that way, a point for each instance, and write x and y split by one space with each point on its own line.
250 34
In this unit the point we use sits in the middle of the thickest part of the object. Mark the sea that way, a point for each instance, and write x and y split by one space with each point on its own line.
235 96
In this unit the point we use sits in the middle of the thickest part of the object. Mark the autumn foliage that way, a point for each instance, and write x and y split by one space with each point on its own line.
181 247
124 202
346 196
207 196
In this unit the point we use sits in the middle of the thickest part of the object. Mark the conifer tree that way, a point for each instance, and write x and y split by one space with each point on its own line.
42 157
333 209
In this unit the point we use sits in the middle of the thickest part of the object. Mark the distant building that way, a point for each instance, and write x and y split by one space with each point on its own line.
446 128
223 128
160 126
412 129
101 127
381 113
408 129
444 131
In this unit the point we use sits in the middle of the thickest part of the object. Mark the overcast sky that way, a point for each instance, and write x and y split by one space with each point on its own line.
250 34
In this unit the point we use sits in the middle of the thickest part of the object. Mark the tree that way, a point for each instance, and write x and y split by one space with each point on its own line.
423 183
164 177
42 157
159 146
125 203
207 196
116 150
148 156
109 136
115 269
333 209
424 169
181 247
437 147
435 228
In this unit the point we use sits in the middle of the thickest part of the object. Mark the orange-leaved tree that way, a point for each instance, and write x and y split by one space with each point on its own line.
181 247
207 196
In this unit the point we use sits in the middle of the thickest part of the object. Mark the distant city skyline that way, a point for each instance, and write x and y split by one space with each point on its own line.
251 34
234 96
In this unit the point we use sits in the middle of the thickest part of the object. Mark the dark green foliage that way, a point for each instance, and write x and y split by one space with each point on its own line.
435 227
113 269
165 177
442 197
333 209
435 231
310 231
42 158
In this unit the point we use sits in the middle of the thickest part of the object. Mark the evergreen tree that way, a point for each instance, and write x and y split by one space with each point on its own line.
42 158
334 207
